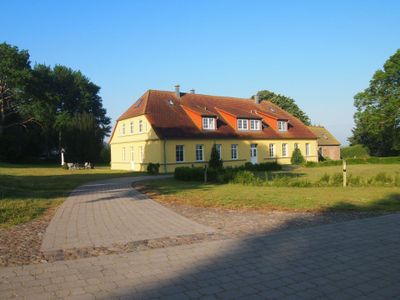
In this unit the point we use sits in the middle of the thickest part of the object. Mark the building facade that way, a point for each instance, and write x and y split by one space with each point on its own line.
328 145
179 129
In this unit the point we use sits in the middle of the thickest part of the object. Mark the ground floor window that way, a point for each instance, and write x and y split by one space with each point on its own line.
199 153
123 154
141 154
234 151
284 150
179 152
219 150
271 150
132 154
307 149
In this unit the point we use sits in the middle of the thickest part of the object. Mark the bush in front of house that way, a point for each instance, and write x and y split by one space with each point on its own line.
265 167
215 162
189 174
297 157
153 169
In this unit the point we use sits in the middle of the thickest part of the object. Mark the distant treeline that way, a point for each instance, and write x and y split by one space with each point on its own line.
44 109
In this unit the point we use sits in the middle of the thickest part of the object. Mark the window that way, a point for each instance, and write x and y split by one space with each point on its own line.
179 150
219 150
132 154
199 153
307 149
123 128
141 154
242 124
271 150
123 154
282 125
209 123
234 151
131 127
255 124
140 126
284 150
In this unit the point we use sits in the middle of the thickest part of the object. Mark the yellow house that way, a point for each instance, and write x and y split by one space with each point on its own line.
179 129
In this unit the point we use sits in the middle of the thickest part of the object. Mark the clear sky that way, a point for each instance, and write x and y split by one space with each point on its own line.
321 53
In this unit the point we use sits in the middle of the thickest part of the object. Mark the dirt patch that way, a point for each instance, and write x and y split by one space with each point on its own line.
21 243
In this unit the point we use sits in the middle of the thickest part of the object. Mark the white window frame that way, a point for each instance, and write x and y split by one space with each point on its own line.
140 126
285 150
234 151
132 154
123 154
131 127
272 152
219 150
208 123
307 149
243 124
280 127
255 124
141 154
182 149
199 153
123 129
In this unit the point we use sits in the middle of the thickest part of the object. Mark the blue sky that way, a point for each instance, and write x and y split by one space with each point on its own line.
321 53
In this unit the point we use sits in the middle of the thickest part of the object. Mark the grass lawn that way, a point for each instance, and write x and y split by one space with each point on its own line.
286 198
26 191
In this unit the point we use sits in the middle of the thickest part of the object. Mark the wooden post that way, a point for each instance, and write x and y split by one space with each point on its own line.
344 173
205 174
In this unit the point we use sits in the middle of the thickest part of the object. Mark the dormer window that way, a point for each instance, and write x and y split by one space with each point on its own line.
255 124
208 123
282 125
242 124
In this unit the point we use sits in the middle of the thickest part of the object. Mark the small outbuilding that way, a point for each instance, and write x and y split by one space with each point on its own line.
328 145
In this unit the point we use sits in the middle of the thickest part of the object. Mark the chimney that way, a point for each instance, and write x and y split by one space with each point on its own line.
257 99
192 91
178 91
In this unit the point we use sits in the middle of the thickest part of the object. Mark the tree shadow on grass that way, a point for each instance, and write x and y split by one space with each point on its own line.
337 261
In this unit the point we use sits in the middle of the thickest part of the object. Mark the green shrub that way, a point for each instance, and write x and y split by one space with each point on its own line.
337 179
244 177
268 166
356 151
153 169
189 174
324 180
64 166
215 162
383 179
297 157
354 180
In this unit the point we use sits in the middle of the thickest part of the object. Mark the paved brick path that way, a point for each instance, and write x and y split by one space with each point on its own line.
350 260
109 212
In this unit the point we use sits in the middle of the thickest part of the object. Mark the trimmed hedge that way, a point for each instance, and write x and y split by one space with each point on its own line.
356 161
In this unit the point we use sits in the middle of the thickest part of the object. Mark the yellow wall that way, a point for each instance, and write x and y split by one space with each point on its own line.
153 149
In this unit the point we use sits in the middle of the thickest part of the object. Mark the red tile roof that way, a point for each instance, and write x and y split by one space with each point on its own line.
169 120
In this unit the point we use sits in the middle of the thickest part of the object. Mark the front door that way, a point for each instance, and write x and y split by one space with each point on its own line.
253 153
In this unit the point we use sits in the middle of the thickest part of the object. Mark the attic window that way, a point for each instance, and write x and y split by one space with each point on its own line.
170 102
255 124
282 125
242 124
208 123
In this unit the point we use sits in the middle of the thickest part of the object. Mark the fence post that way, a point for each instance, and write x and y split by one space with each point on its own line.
344 173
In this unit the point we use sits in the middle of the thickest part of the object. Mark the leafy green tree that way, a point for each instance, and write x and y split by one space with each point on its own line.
286 103
215 162
297 158
377 120
14 73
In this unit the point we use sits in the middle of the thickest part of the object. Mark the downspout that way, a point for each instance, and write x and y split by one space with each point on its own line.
165 156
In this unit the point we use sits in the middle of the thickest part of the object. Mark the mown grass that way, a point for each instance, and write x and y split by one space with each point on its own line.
238 196
27 191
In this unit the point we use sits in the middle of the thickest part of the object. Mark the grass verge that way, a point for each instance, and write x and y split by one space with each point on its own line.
27 191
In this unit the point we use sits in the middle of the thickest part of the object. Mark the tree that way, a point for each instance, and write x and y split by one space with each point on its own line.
286 103
377 119
14 73
297 158
215 162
